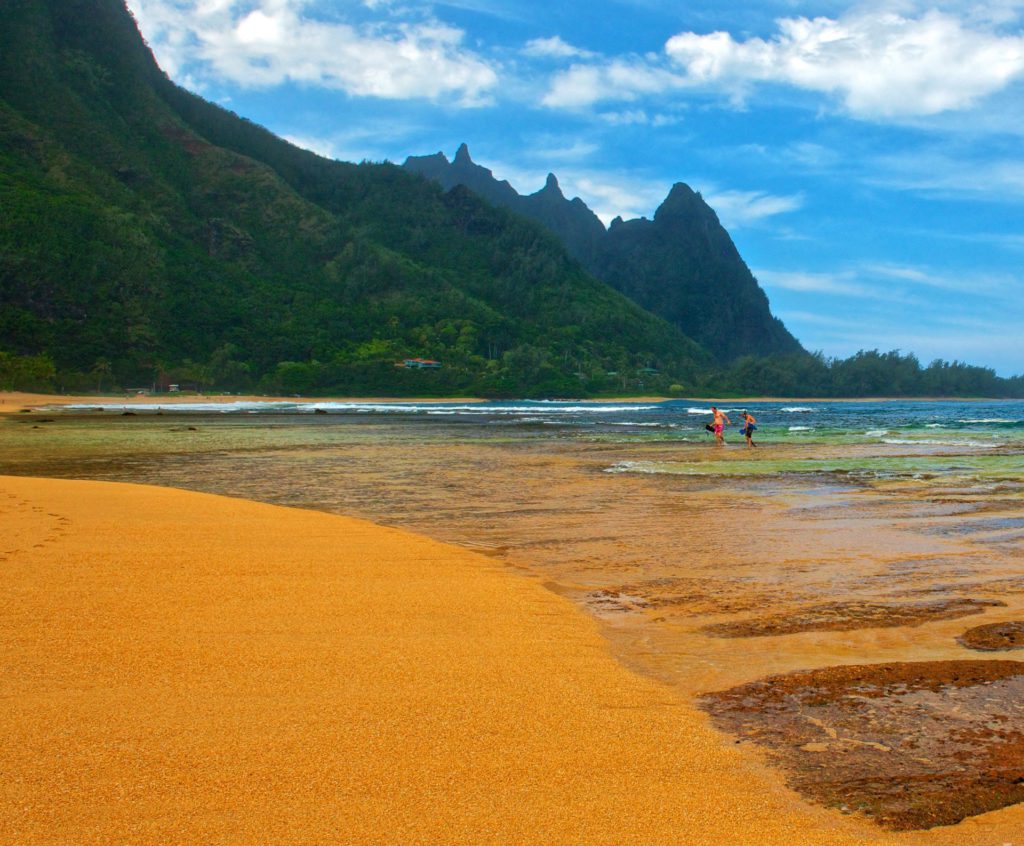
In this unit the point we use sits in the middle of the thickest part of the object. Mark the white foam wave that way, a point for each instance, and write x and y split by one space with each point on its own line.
505 409
299 407
876 433
637 423
224 407
932 442
796 409
990 420
801 428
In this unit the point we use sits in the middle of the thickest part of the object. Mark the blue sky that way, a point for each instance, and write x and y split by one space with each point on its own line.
867 158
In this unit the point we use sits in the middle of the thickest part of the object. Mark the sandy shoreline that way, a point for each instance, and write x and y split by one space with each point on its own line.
12 402
187 668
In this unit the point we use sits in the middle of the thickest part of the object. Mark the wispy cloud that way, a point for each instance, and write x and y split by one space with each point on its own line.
945 173
583 85
572 150
554 48
886 281
743 208
971 283
843 284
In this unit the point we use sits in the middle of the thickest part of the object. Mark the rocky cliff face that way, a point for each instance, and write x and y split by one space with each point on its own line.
682 266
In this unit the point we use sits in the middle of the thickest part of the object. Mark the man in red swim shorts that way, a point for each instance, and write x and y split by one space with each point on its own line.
721 420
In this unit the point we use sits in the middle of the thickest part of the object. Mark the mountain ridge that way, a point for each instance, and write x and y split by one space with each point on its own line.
706 290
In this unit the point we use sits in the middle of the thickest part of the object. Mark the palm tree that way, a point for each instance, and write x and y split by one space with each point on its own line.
100 370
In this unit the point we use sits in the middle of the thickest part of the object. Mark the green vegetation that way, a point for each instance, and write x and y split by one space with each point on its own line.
866 374
150 237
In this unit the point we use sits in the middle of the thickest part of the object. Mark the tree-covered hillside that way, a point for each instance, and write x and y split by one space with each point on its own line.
149 234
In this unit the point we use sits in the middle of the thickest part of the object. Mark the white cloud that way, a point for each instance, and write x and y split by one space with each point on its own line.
554 48
612 195
742 208
320 146
582 85
275 43
879 64
836 284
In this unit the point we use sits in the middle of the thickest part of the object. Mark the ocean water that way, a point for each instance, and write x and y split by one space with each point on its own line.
954 442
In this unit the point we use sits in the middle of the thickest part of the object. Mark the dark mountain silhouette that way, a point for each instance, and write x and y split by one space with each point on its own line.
682 266
576 226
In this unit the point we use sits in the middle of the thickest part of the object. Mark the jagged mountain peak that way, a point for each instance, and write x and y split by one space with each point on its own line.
682 265
462 156
683 201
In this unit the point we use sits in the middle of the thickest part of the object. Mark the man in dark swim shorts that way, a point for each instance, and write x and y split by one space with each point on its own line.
748 428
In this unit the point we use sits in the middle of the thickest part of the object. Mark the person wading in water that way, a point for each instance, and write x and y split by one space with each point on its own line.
748 428
721 420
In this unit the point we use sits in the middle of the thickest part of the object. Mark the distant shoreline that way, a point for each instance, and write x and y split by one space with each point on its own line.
13 402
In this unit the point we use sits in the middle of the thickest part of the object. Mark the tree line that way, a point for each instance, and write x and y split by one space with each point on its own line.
374 367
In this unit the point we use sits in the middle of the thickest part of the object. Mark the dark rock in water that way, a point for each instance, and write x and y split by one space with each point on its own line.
850 616
913 745
319 411
127 413
995 637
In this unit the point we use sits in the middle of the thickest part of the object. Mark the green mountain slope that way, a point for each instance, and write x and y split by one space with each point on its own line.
146 231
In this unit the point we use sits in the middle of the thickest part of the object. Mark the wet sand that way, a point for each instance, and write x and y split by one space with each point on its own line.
182 668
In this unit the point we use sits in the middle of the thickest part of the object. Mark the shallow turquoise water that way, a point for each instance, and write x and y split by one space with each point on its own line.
951 442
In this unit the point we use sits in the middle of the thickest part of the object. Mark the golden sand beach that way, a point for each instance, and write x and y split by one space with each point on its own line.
186 668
